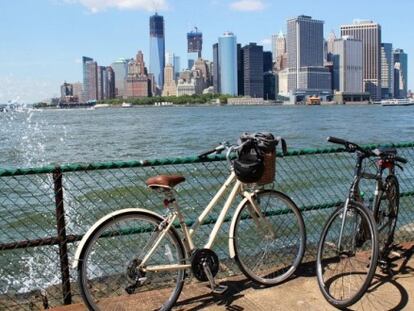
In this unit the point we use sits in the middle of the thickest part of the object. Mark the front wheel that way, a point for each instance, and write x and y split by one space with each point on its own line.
347 255
269 237
111 276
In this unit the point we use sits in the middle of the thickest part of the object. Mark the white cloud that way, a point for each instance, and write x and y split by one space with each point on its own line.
247 5
95 6
266 41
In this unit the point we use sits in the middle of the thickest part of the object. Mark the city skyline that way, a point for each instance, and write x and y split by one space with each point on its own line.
35 63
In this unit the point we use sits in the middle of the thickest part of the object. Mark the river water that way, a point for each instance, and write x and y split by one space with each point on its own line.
36 137
30 138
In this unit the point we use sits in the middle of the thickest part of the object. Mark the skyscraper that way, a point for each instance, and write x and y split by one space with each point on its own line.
387 71
346 55
267 61
305 56
274 46
194 46
253 70
280 44
216 69
157 49
400 73
240 70
170 87
227 55
370 35
90 79
120 68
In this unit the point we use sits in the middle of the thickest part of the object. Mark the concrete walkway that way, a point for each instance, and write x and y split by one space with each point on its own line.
301 293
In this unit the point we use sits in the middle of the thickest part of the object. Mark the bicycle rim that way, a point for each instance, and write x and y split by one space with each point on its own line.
386 213
344 274
108 268
269 250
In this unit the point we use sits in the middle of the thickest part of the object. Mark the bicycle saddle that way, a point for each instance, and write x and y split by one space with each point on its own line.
164 181
385 151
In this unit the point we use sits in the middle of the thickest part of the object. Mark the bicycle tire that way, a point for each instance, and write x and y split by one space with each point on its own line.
386 214
108 261
281 253
352 237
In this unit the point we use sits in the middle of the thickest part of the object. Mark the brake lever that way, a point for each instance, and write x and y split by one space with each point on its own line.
401 168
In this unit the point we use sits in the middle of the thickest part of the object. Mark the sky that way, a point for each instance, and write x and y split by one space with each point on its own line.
42 41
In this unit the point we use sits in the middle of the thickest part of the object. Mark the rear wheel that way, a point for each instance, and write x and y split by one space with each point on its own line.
269 242
346 264
109 270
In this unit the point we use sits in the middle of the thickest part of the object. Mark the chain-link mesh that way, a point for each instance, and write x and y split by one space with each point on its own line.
31 243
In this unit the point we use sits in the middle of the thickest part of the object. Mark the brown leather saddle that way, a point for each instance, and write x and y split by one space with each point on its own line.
164 181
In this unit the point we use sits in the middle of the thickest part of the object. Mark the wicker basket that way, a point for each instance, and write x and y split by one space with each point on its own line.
269 168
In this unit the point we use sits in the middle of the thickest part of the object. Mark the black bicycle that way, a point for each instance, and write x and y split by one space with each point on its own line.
355 237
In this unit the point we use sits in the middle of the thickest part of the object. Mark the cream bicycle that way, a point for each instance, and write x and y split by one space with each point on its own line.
134 259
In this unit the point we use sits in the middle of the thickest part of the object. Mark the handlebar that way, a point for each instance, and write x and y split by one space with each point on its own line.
352 147
400 159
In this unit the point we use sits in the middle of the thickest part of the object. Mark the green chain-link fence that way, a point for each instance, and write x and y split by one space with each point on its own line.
39 221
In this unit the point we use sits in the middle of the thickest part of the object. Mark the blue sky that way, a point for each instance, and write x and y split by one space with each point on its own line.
42 41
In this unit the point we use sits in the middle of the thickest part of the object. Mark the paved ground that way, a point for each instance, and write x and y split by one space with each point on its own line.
301 293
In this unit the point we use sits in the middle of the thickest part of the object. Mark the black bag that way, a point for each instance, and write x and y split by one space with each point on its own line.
249 165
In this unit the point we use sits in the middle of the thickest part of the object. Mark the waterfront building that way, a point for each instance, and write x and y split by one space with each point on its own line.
102 82
202 66
190 83
330 45
282 79
216 69
253 70
157 49
269 85
227 57
109 91
137 83
278 45
77 88
387 71
138 87
240 70
90 79
66 89
400 73
307 73
170 87
370 35
120 68
194 46
267 61
346 56
274 47
174 60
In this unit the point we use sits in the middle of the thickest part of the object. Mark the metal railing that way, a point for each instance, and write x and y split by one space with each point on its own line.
45 211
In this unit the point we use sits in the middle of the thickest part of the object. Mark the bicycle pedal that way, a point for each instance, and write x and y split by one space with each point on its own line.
220 289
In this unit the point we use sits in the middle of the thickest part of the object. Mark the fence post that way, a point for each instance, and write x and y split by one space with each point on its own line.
61 231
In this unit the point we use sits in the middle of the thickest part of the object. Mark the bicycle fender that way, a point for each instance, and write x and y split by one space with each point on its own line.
99 222
232 252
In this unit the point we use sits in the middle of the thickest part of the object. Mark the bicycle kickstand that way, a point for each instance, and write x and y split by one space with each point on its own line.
215 288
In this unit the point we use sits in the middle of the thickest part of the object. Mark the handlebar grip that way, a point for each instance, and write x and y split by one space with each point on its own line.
400 159
336 140
284 145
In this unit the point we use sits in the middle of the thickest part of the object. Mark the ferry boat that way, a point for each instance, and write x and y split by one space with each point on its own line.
313 100
397 102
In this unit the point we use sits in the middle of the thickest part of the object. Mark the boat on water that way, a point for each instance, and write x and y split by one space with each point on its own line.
313 100
126 105
397 102
101 106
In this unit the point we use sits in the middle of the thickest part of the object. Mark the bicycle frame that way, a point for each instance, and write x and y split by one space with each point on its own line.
354 193
189 232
